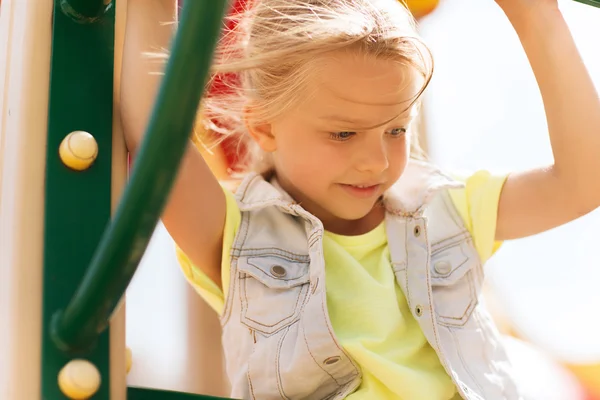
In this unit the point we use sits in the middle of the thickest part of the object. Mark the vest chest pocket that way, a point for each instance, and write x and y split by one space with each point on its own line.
272 291
455 281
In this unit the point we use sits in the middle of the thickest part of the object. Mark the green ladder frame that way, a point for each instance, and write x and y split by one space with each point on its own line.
89 259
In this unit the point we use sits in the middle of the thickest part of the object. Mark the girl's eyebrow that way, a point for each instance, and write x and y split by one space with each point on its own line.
339 118
357 122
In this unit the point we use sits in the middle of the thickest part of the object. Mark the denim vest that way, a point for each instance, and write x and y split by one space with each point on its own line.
277 335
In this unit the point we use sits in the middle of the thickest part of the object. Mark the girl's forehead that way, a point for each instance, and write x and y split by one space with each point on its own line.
361 88
364 80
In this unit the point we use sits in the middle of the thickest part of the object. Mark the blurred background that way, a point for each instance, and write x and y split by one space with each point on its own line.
482 111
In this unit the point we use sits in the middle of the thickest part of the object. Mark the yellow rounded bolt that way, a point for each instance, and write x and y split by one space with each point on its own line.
78 150
79 380
129 359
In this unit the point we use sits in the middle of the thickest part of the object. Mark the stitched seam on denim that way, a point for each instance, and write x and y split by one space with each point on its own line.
277 371
400 269
480 273
406 285
314 242
256 252
315 360
462 360
325 314
462 240
258 204
462 320
450 242
452 211
272 201
244 189
282 321
315 235
248 373
230 296
463 233
233 274
273 251
431 307
246 206
454 214
249 221
477 318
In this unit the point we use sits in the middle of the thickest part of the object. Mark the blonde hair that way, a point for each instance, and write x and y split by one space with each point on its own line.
269 51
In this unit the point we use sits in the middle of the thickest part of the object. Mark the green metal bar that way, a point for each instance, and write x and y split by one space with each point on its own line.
85 11
135 393
126 239
594 3
77 203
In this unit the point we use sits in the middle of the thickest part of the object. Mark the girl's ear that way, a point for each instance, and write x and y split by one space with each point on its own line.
261 132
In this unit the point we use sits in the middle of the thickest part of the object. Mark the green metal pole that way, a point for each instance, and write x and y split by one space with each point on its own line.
594 3
126 239
85 11
77 205
135 393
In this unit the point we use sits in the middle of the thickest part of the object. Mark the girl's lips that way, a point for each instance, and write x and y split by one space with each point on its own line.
361 191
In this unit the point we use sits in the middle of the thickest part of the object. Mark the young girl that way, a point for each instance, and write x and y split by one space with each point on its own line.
344 266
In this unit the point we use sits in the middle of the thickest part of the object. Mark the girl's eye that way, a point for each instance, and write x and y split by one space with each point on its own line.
397 132
341 136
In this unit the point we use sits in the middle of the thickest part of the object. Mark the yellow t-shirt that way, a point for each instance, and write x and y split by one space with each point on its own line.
368 311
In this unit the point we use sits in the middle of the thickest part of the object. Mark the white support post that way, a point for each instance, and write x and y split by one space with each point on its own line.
25 41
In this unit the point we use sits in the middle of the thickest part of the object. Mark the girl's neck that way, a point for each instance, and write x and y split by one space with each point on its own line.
356 227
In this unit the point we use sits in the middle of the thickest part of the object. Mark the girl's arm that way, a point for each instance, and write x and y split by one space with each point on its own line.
195 212
541 199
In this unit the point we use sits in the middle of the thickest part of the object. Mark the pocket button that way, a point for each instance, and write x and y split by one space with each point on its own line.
442 267
278 271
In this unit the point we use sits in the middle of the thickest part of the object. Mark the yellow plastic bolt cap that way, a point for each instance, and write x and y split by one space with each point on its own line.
78 150
79 380
129 359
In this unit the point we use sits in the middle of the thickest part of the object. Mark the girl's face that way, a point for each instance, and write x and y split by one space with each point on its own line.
347 142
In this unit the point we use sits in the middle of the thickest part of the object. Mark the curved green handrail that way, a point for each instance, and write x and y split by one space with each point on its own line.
123 244
595 3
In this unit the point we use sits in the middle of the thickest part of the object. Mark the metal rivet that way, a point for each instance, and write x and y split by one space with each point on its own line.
419 311
442 267
332 360
278 271
417 231
78 150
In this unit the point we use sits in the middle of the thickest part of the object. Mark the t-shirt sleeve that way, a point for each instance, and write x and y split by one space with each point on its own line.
477 204
206 287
